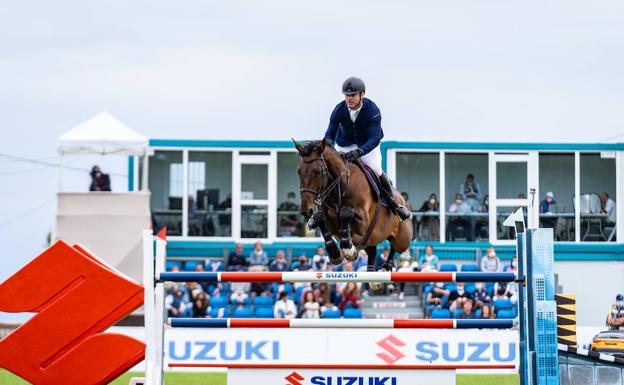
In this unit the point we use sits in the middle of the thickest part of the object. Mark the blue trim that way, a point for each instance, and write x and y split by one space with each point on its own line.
198 322
130 173
190 276
220 143
485 324
484 277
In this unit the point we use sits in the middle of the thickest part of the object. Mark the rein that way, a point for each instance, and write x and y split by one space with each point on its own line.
320 196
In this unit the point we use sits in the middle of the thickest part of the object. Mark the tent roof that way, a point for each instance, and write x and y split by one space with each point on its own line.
103 134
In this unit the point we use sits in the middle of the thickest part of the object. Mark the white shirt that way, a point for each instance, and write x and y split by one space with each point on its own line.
610 210
354 113
319 262
288 308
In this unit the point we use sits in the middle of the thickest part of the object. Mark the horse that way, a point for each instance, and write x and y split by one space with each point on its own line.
336 198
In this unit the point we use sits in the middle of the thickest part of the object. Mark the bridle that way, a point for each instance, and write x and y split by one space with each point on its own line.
327 186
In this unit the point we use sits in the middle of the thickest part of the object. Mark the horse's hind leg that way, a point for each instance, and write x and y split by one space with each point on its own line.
346 243
389 264
320 220
376 287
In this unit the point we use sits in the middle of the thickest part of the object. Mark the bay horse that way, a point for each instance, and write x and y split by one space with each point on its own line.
337 198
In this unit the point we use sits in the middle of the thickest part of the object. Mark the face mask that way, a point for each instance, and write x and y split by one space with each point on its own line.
478 286
432 201
440 284
492 255
291 200
514 264
460 290
429 257
458 202
98 174
487 202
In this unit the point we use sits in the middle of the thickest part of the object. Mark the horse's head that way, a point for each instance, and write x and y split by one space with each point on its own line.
312 173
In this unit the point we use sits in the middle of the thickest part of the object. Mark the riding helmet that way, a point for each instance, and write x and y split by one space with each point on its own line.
353 86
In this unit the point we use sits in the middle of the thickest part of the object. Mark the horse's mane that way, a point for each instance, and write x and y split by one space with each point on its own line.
315 146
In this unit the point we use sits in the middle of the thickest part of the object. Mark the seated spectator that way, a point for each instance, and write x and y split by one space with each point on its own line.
455 222
240 292
236 259
301 264
285 307
361 263
607 206
175 304
486 313
405 263
260 289
490 262
431 205
99 180
513 267
200 305
279 263
381 258
457 297
320 260
258 260
467 312
215 265
350 297
429 261
548 206
471 192
288 220
310 308
506 290
481 297
435 298
328 306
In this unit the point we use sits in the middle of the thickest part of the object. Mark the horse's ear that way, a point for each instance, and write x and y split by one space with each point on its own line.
323 145
298 146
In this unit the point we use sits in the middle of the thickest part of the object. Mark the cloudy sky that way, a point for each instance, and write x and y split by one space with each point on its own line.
440 70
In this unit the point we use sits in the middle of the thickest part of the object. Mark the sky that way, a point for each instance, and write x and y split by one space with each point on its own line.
439 70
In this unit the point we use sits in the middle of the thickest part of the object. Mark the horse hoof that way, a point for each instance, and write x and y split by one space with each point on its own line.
336 261
350 253
377 287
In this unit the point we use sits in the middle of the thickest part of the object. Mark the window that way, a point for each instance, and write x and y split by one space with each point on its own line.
418 178
556 187
290 223
597 198
209 194
466 191
165 184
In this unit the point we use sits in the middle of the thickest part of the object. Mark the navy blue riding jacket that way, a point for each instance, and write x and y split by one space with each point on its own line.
366 132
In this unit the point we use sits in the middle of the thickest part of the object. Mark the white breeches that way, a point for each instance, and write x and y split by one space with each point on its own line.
372 159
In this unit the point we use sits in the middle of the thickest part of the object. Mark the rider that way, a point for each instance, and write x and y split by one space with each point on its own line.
355 127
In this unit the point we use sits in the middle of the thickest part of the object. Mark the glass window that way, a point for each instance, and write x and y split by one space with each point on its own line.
556 186
467 201
254 221
289 222
511 180
597 203
254 179
418 179
210 198
165 184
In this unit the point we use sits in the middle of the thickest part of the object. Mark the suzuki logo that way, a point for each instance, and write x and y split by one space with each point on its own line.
390 354
294 378
319 275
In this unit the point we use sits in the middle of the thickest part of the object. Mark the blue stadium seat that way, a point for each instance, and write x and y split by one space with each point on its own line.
264 312
470 267
220 312
352 313
242 312
450 286
470 288
170 264
332 313
506 314
217 302
502 304
190 265
457 313
263 301
448 267
440 313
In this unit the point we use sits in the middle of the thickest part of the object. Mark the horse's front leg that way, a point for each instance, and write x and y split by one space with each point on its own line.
347 249
319 219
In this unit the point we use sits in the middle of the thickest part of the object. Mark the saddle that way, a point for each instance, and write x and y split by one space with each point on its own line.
373 182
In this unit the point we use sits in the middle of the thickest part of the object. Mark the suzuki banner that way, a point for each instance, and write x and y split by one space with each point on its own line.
340 377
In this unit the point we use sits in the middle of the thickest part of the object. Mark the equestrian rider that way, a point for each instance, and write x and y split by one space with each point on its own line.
355 128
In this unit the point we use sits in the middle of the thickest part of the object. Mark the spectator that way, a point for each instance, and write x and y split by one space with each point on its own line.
279 263
506 290
215 265
548 204
483 221
381 258
99 180
467 312
429 261
471 192
288 220
405 263
460 208
361 263
236 259
328 306
435 298
615 319
350 296
310 308
608 207
285 307
408 205
431 205
258 260
175 304
226 203
200 305
513 267
301 264
481 297
240 292
346 267
457 297
490 262
486 313
320 260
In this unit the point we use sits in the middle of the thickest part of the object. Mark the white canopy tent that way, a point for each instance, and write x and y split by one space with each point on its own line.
104 134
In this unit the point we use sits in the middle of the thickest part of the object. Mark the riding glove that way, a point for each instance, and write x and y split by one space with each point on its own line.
353 155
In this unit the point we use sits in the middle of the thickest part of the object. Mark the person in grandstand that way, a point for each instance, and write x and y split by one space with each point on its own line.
615 319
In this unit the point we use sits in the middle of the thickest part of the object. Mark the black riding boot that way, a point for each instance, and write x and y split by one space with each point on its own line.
386 189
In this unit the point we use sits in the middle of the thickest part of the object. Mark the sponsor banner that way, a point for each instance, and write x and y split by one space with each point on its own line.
340 377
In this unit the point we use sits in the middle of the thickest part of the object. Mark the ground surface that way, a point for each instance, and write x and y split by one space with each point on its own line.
7 378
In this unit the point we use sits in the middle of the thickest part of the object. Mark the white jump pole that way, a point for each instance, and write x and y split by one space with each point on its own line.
159 297
149 307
